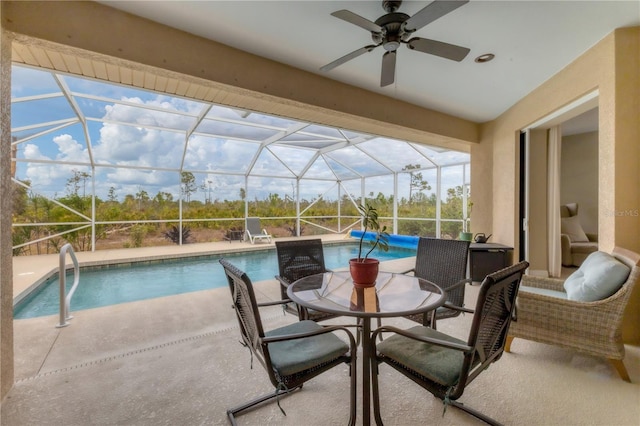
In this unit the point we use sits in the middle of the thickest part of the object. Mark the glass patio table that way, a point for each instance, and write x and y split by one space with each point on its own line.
393 295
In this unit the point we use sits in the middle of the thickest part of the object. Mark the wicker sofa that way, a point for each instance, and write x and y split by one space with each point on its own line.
594 327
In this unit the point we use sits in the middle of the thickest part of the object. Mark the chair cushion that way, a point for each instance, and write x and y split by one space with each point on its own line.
571 226
599 276
439 364
293 356
542 291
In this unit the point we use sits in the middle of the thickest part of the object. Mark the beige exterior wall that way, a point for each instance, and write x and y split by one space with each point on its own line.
611 67
623 171
94 32
6 262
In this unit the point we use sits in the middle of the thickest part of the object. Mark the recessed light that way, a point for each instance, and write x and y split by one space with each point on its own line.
485 58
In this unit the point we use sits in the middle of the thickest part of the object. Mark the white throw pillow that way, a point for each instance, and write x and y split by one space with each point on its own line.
599 276
571 226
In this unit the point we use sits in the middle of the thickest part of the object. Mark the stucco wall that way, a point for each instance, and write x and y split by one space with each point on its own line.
6 253
611 67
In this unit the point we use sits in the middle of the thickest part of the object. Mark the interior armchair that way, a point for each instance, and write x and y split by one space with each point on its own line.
576 244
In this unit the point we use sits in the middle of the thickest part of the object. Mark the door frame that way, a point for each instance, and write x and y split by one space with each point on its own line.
562 114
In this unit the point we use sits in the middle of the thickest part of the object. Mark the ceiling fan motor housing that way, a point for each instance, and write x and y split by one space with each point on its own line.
393 32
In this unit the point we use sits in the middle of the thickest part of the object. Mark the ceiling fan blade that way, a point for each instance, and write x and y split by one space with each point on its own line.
388 69
358 20
434 10
438 48
348 57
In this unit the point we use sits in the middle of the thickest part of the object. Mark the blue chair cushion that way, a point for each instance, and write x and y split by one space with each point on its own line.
599 276
439 364
543 292
293 356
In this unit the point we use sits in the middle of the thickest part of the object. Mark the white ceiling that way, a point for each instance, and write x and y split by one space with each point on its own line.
532 41
583 123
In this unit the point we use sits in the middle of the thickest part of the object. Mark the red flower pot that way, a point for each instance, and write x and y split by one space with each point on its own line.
364 274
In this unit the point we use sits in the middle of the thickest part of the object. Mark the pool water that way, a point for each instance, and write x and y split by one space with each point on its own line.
115 284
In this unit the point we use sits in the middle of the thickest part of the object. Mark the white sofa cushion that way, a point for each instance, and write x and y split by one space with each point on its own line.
599 276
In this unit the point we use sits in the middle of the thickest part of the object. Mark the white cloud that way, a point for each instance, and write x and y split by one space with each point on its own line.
49 178
70 149
138 146
205 153
32 152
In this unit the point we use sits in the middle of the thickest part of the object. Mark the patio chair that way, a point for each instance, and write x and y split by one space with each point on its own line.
445 365
255 232
292 354
298 259
546 315
444 263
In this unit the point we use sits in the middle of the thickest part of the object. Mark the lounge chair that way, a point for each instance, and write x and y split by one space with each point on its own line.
255 232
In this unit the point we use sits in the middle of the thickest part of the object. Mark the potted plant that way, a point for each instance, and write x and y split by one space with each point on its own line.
364 270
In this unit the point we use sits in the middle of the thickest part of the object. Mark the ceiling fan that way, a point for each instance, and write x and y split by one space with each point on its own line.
394 28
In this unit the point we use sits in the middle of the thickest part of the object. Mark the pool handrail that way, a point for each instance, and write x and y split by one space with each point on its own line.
65 301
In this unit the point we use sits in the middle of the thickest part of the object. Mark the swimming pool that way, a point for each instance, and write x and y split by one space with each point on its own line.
113 284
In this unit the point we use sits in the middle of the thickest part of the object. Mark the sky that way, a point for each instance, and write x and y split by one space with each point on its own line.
140 140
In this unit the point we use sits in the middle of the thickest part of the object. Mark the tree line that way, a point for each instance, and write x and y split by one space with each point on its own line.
163 209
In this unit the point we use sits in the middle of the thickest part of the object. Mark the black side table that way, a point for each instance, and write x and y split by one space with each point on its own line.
234 235
485 258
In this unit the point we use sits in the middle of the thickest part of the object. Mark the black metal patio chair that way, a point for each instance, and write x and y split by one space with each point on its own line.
292 354
445 365
444 263
298 259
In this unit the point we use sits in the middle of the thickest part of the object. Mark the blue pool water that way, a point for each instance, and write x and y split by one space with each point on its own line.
119 284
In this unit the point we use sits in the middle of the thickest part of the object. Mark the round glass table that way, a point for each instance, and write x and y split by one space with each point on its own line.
393 295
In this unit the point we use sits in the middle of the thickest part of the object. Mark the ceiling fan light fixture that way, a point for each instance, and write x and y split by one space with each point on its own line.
391 46
485 58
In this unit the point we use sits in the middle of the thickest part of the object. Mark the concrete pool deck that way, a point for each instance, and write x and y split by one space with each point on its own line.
177 361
